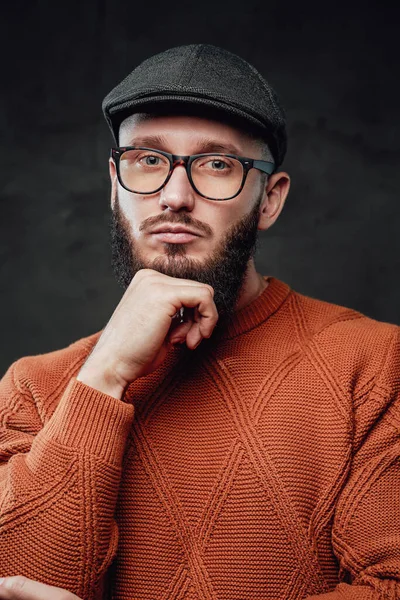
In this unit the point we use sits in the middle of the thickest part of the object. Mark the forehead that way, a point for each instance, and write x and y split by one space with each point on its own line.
186 130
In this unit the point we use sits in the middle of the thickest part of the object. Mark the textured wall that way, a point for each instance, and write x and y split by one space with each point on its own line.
336 70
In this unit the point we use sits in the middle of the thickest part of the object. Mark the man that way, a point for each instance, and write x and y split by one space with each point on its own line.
223 437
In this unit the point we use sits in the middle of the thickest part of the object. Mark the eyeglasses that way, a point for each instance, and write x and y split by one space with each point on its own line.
213 176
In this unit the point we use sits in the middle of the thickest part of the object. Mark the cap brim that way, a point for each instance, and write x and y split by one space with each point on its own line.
115 113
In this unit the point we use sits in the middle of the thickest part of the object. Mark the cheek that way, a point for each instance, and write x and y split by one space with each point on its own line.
135 211
225 216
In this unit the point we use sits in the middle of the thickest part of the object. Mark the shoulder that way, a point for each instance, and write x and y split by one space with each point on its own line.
324 318
352 345
44 377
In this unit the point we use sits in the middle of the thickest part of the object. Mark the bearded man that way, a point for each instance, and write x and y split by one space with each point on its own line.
223 437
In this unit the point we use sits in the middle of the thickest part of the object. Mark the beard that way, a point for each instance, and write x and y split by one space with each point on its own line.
224 270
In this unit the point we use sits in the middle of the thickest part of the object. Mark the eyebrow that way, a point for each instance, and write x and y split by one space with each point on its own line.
203 146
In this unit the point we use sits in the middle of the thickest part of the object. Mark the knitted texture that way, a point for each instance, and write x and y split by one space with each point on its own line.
264 465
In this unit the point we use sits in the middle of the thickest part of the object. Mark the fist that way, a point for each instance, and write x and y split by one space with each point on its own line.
136 338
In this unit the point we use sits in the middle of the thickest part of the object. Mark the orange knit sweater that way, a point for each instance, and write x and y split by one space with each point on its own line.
263 465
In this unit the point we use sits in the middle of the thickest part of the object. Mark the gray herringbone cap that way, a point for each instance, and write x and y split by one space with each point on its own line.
201 74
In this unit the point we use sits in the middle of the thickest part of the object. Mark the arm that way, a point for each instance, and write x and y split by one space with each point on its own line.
366 531
59 481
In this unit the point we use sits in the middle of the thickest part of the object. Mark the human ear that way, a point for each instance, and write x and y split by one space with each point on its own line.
114 181
276 191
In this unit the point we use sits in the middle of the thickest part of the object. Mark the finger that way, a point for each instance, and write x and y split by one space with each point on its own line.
180 281
191 283
22 588
194 337
205 317
190 331
178 333
191 297
177 281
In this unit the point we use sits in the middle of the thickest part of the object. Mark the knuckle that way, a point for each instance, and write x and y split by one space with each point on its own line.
16 583
206 291
140 274
211 290
144 273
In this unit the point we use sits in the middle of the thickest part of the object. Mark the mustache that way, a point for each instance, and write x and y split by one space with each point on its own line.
181 218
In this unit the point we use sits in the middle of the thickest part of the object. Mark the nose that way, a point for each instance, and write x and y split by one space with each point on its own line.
178 193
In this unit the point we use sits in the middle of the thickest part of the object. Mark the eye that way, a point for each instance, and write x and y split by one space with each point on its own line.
218 164
151 160
215 163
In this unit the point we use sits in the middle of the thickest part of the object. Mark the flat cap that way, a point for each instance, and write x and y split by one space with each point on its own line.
203 75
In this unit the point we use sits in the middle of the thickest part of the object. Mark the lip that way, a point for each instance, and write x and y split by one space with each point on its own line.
172 237
174 234
173 229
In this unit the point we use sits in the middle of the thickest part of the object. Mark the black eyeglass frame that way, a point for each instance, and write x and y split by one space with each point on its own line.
186 161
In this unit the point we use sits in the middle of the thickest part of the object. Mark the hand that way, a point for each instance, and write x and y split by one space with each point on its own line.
21 588
135 340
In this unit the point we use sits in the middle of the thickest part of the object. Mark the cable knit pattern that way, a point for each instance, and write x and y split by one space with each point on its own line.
264 465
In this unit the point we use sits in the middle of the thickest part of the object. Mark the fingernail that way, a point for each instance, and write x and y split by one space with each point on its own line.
2 580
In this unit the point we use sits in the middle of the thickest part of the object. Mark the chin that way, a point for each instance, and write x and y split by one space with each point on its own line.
178 251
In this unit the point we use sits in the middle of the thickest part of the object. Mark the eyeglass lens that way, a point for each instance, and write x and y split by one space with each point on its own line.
215 176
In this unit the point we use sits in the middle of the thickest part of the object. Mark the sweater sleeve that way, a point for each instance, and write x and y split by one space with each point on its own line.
59 480
366 530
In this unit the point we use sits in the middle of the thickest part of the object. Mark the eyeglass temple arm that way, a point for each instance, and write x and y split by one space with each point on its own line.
264 166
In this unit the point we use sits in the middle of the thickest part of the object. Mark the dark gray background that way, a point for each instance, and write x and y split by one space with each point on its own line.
336 69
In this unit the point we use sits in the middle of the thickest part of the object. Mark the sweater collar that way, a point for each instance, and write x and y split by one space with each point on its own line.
258 311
